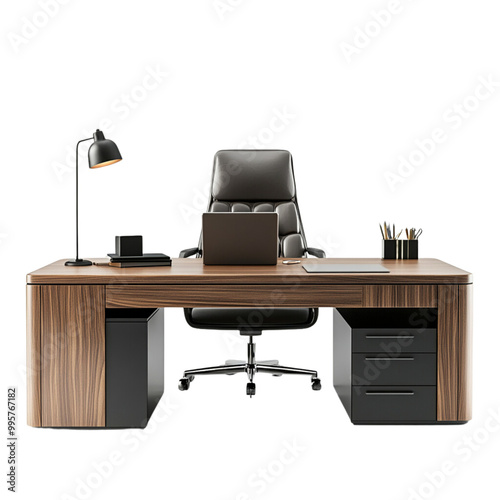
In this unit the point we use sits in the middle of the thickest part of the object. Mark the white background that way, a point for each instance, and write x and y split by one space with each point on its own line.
350 118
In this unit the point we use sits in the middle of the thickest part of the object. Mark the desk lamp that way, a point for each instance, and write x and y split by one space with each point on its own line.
102 153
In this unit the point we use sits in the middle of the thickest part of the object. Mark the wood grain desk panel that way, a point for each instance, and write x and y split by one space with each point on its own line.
400 296
73 340
465 352
447 351
278 295
192 271
33 355
454 383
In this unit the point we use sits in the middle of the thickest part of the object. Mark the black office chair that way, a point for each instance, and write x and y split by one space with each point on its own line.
255 181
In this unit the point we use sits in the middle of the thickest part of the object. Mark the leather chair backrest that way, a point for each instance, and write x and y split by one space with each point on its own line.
260 181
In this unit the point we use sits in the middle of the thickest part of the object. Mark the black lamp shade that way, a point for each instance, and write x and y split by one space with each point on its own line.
103 152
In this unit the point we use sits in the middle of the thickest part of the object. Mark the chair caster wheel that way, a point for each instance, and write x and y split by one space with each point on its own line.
316 384
184 383
250 389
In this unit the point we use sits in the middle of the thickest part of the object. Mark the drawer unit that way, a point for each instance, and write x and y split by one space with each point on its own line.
385 365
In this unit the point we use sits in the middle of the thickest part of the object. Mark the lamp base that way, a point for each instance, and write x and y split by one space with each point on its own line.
78 262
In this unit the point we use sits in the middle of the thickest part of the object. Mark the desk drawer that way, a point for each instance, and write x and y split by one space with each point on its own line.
393 340
393 404
404 369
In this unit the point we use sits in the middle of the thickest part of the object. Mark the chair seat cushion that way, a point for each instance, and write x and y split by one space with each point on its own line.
241 318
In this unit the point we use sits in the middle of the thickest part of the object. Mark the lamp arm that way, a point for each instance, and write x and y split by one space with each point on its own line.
77 144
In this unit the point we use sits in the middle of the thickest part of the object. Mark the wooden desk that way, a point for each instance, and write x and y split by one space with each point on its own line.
66 319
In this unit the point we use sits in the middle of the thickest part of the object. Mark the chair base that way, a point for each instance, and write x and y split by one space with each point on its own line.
250 367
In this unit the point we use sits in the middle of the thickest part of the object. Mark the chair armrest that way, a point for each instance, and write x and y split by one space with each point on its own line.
188 252
316 252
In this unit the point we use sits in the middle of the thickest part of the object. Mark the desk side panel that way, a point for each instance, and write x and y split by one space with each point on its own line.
73 339
33 355
448 350
465 353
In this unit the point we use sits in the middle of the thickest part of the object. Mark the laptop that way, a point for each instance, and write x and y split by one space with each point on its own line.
345 268
240 239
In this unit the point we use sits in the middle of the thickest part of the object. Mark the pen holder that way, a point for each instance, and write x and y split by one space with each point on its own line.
409 249
390 249
400 249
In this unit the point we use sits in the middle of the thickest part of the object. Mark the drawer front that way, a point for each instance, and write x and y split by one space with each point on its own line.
393 404
405 369
393 340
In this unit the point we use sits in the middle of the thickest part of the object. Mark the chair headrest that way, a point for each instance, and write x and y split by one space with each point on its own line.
253 175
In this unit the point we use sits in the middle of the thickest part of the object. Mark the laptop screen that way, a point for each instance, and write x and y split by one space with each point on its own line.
245 239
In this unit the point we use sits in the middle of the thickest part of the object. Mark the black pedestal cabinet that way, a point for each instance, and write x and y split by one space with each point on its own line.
134 365
384 366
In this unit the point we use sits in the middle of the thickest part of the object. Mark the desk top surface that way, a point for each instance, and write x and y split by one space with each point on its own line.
192 271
